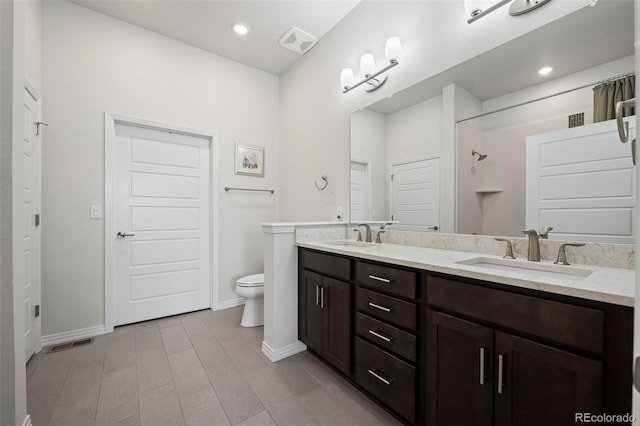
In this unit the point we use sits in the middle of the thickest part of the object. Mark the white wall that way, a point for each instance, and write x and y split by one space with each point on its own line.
415 132
315 113
92 64
368 130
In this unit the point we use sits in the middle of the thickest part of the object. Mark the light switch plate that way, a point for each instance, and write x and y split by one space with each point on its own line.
96 212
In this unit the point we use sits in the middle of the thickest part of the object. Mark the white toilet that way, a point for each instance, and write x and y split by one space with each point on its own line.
252 289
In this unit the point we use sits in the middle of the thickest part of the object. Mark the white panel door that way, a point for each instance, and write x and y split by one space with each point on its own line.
31 206
415 195
359 192
581 182
161 204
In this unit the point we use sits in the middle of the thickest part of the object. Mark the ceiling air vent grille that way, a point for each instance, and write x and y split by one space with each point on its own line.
576 120
297 40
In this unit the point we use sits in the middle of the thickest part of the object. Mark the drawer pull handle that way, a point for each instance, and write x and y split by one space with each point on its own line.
381 336
384 280
317 295
382 379
483 375
382 308
500 372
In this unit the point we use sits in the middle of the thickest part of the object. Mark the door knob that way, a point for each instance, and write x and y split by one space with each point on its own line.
121 234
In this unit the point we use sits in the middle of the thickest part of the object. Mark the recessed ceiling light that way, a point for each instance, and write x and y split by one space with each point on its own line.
241 29
545 70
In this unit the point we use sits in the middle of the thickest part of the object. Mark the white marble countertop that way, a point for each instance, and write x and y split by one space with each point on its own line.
610 285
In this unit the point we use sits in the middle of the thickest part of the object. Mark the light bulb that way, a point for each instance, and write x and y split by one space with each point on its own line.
346 78
392 49
241 29
367 64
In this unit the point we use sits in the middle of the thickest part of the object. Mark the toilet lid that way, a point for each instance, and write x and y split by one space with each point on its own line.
256 280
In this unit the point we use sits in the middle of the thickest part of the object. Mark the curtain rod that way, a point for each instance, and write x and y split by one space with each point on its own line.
606 80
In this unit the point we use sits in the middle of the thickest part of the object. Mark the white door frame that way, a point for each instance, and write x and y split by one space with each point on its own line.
110 121
37 323
367 171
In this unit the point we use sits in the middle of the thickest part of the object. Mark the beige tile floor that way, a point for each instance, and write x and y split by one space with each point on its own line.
200 368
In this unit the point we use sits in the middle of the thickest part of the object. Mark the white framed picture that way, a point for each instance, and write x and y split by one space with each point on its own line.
249 160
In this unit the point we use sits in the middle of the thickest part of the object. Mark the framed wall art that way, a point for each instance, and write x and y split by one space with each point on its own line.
249 160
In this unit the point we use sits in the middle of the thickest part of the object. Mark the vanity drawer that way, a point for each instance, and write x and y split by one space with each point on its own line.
389 337
326 264
389 379
567 324
387 279
387 308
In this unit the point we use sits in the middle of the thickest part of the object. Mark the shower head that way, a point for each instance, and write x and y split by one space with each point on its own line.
480 156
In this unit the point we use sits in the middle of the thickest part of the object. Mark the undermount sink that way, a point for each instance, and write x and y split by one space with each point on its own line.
349 243
528 268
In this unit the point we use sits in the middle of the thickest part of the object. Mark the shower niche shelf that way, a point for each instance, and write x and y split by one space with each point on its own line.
483 190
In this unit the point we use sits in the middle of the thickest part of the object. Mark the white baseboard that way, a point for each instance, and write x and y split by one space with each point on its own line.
275 355
27 421
226 304
69 336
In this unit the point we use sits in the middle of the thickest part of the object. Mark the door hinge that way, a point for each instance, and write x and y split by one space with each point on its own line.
37 309
391 178
391 217
37 220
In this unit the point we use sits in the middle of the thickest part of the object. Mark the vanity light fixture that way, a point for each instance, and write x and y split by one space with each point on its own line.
241 29
476 9
392 50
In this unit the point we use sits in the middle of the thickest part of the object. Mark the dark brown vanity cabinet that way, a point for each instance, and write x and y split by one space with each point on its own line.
501 358
386 344
324 317
436 349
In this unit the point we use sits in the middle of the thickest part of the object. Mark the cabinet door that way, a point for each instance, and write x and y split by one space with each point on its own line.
311 317
543 385
459 371
337 323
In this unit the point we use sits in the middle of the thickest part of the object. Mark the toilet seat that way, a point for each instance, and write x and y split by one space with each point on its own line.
256 280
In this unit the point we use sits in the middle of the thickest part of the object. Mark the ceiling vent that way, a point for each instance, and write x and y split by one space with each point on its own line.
297 40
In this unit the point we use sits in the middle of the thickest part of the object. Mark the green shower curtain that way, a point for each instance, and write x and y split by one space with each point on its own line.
606 95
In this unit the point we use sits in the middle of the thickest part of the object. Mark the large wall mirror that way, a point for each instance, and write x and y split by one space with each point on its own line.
539 161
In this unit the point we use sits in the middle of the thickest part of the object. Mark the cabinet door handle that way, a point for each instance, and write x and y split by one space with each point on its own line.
382 379
317 295
500 372
321 297
381 336
483 375
384 280
382 308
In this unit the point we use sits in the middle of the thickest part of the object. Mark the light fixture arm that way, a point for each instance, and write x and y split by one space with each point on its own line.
367 79
487 11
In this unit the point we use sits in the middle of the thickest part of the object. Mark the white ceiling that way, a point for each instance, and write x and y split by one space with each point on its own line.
207 24
586 38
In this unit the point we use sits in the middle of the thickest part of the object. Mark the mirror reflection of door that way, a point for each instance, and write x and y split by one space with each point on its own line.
415 195
360 210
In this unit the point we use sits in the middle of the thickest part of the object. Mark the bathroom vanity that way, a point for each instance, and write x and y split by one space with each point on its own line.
438 338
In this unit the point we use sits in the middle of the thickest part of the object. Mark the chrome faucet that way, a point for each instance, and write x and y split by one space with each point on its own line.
533 253
367 228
